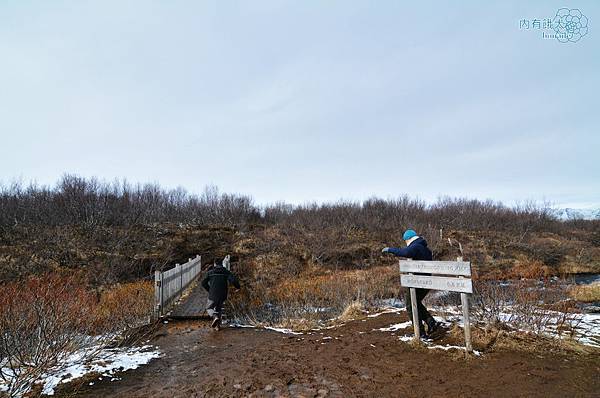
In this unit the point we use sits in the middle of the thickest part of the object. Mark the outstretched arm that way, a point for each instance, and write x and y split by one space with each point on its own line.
399 252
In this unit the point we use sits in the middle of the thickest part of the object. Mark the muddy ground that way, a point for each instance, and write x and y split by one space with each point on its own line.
353 360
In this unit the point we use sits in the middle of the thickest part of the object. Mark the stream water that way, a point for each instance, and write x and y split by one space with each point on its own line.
586 279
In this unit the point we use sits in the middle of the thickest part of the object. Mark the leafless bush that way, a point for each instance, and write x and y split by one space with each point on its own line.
58 224
533 305
91 203
42 322
45 320
490 301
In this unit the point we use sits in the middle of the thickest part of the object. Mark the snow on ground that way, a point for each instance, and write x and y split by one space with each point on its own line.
396 327
278 330
587 326
589 330
106 362
448 347
391 310
282 330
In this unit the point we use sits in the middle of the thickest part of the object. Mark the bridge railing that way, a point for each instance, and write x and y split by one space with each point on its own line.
170 284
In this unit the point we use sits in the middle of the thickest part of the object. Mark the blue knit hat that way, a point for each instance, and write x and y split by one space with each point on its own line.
409 234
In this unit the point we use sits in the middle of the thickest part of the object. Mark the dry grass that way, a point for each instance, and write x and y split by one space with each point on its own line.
586 293
531 269
505 340
312 300
125 306
355 309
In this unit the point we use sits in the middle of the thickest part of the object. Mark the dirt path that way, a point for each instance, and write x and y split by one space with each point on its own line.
353 360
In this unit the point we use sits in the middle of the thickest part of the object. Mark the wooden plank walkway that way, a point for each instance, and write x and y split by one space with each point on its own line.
194 305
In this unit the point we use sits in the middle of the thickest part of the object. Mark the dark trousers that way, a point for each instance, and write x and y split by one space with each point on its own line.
422 312
214 308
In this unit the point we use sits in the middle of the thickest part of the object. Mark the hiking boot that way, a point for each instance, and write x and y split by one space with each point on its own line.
433 327
216 323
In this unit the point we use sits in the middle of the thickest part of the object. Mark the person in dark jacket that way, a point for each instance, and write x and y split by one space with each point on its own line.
416 249
216 283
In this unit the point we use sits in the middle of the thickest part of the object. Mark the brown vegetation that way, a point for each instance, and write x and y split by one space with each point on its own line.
119 232
307 301
300 266
586 293
44 319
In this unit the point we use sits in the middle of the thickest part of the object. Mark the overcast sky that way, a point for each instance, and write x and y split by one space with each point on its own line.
303 101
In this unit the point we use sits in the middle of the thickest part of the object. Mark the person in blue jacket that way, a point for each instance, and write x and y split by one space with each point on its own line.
416 249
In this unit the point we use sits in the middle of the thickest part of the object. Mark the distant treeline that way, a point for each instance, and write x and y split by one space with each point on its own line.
89 202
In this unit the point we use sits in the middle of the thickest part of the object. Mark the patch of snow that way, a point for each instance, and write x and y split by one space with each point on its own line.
282 330
389 310
239 325
395 327
450 347
106 362
278 330
586 326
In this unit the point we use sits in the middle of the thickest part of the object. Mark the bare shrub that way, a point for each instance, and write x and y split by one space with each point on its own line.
42 321
46 319
532 305
490 302
91 203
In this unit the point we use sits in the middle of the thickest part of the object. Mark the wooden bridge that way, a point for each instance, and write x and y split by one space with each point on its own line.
178 293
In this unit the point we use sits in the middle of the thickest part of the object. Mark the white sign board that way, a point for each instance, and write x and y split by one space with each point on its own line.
462 285
454 281
461 268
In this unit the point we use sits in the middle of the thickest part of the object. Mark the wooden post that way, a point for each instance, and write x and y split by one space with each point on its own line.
157 294
464 301
180 280
162 294
415 313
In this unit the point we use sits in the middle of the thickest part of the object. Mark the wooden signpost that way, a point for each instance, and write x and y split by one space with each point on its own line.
444 275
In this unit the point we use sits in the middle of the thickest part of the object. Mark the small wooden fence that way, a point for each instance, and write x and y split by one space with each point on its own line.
170 284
